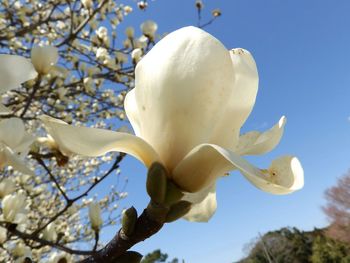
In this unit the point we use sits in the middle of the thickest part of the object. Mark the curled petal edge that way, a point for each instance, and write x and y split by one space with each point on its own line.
256 143
206 162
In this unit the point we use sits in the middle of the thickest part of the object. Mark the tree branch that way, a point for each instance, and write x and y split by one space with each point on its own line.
145 227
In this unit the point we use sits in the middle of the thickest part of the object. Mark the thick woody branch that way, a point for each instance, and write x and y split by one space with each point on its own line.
145 227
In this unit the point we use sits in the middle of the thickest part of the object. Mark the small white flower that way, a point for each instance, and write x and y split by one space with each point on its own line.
44 58
129 32
101 53
22 252
136 55
149 28
3 235
7 186
60 257
14 207
50 233
87 3
95 216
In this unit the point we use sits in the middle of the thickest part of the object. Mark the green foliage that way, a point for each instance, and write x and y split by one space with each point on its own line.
157 257
325 249
290 245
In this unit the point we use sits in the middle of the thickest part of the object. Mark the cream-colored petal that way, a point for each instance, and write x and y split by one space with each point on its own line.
255 143
12 159
181 87
240 101
206 162
132 112
247 79
24 144
96 142
44 58
204 204
14 70
11 132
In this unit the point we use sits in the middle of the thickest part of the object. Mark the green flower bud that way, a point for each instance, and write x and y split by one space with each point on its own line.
129 257
129 220
178 210
157 182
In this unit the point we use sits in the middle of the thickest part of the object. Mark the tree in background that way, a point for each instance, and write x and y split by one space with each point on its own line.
325 249
157 257
338 209
290 245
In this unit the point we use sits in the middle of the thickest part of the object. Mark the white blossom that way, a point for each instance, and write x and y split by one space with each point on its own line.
149 28
3 235
7 186
95 216
44 58
14 207
129 32
187 114
50 233
136 54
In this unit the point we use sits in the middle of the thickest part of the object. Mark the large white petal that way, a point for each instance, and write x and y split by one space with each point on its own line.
254 143
132 111
14 70
11 132
181 87
24 144
96 142
246 83
206 162
204 204
12 159
240 101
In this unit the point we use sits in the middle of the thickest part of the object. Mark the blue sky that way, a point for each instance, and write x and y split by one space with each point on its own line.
302 53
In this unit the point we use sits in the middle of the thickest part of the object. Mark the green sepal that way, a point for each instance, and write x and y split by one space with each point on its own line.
173 194
178 210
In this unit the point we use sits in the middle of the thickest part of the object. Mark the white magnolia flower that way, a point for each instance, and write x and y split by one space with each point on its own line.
88 4
136 54
14 70
101 53
7 186
22 252
50 233
192 97
149 28
14 207
129 32
3 235
60 257
44 58
95 216
14 140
